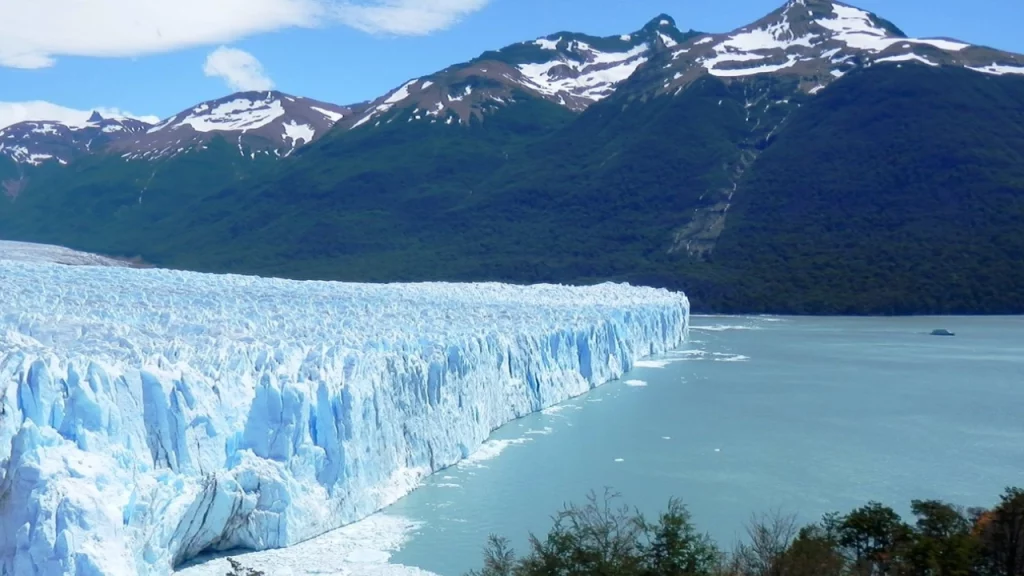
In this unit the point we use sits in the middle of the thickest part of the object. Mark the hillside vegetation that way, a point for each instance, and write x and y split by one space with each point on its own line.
898 189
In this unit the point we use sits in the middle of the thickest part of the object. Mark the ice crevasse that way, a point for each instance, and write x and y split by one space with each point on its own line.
147 416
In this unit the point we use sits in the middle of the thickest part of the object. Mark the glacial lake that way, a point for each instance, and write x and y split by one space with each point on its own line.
754 414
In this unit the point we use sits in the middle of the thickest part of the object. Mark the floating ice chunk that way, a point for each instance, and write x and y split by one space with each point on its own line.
655 363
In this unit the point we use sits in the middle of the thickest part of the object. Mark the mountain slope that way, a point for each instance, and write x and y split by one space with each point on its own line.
571 69
918 206
259 122
36 142
816 161
819 41
105 204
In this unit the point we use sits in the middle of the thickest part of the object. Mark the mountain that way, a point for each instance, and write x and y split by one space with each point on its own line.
259 122
35 142
815 161
270 123
818 42
570 69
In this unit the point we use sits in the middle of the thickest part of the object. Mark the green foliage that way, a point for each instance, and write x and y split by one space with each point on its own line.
603 538
894 191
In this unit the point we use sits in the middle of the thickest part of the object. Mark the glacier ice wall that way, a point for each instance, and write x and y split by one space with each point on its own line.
147 416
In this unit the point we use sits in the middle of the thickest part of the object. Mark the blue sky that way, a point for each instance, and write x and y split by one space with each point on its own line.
152 62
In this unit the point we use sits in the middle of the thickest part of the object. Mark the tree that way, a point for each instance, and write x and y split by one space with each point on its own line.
770 537
598 538
943 543
815 552
874 535
499 558
1001 532
675 548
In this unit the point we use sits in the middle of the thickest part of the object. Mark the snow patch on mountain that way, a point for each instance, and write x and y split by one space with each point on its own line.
907 58
855 28
548 44
298 134
237 114
819 42
329 114
777 36
998 69
401 94
667 40
763 69
593 78
22 155
184 413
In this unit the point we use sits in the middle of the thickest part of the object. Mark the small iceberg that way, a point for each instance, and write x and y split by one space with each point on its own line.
942 332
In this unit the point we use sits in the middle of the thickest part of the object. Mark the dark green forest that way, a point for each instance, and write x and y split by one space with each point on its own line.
897 190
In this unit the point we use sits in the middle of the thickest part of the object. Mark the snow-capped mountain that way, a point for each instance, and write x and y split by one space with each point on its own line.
259 122
819 41
813 42
36 142
571 69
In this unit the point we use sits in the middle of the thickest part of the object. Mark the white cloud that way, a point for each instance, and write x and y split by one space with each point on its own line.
405 17
34 32
14 112
239 69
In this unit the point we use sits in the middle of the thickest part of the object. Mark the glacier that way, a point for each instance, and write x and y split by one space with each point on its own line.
148 416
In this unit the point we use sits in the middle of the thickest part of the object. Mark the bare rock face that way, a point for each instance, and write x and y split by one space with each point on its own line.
809 43
570 69
818 42
36 142
260 122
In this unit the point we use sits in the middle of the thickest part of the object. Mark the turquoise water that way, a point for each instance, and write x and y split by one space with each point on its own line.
755 414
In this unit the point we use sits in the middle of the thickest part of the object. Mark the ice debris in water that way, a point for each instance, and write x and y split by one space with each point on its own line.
148 416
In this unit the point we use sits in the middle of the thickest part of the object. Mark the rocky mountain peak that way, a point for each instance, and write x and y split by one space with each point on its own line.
260 122
659 22
818 42
568 68
41 141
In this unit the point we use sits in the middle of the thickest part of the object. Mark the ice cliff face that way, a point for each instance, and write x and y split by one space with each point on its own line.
148 415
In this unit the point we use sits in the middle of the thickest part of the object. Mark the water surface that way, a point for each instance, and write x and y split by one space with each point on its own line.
754 414
807 416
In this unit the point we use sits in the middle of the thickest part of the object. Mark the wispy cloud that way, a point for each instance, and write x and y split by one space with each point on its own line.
14 112
34 32
238 68
405 17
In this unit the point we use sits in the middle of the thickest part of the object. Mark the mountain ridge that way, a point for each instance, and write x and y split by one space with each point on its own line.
817 40
675 178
